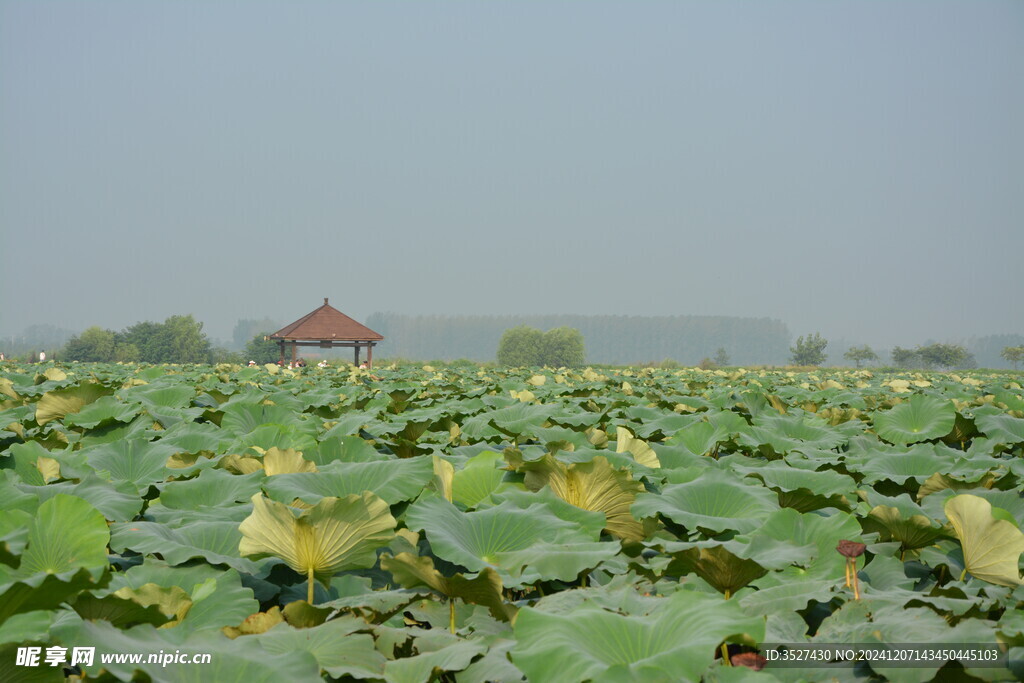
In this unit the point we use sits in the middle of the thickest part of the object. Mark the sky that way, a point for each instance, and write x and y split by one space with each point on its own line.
851 168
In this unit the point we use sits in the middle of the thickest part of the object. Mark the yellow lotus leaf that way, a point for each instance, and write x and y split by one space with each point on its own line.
992 545
640 450
286 461
334 535
594 485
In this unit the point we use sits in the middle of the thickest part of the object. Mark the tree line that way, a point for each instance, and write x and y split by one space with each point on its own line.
178 339
610 339
810 350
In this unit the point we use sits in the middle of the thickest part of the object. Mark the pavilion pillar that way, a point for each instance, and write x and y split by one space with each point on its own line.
281 345
294 348
369 355
357 355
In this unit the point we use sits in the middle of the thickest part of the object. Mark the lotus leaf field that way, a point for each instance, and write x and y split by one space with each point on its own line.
478 525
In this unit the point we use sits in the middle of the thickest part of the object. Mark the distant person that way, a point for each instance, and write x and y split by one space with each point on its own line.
2 357
42 356
300 363
363 365
252 363
322 364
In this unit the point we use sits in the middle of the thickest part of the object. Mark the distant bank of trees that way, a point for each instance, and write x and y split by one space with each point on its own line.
525 346
179 339
611 339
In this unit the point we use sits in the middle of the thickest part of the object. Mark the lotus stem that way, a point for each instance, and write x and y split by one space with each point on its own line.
963 574
847 569
728 594
851 567
451 614
309 590
725 655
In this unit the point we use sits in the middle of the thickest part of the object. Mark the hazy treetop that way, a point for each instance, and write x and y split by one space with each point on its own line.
851 168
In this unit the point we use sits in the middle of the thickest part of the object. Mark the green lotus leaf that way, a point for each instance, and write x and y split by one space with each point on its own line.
714 563
920 418
334 535
676 642
780 595
244 418
391 480
716 500
508 538
478 479
344 449
435 655
193 438
301 437
217 596
991 540
165 393
103 411
785 433
338 650
133 460
905 523
118 501
43 591
918 464
1002 428
27 458
594 485
172 602
519 419
822 532
485 589
494 665
54 405
702 437
67 533
213 487
804 490
215 542
121 612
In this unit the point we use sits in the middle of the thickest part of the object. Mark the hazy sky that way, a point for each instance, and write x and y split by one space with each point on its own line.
849 167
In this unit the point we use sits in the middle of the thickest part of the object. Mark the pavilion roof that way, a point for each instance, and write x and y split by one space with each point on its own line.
326 324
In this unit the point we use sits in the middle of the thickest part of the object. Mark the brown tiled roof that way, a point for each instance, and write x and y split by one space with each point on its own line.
326 324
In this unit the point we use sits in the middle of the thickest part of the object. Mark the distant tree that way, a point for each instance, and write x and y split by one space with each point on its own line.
905 358
520 346
145 337
186 340
94 345
860 354
707 364
809 351
721 357
562 347
262 350
126 353
944 356
179 339
1014 354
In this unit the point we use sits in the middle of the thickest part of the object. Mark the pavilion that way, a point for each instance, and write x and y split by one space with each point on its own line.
326 328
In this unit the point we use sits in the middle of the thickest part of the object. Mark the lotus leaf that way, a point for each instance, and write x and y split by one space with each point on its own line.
333 535
990 537
920 418
716 501
677 642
